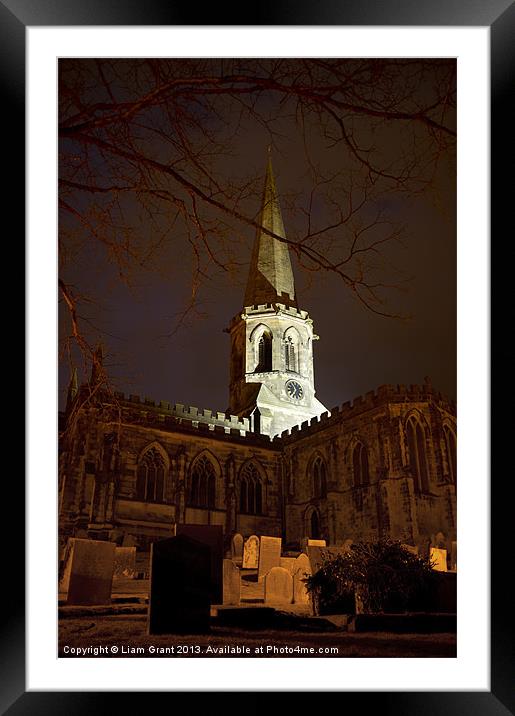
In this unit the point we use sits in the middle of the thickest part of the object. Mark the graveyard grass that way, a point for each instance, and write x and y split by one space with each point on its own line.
129 631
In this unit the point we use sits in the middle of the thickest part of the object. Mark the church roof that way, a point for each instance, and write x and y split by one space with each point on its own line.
270 275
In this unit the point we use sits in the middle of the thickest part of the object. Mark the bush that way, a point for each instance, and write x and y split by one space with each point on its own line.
371 577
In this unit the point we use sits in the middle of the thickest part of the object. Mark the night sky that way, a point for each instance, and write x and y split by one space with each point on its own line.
150 353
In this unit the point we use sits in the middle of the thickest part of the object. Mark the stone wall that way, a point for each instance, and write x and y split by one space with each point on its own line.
102 448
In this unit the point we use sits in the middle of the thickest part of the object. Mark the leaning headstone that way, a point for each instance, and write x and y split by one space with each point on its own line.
438 558
454 556
316 543
251 553
269 554
212 536
124 562
232 582
180 586
288 563
237 548
88 572
278 586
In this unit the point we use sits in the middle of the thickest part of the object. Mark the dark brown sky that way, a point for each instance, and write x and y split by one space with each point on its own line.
357 351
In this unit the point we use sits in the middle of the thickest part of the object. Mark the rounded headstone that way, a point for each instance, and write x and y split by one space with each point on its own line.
278 586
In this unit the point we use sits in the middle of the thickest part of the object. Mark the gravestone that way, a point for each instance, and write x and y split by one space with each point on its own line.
124 562
278 586
237 548
180 586
88 571
288 563
302 569
251 553
212 536
302 562
232 582
300 592
454 556
269 554
317 556
439 559
316 543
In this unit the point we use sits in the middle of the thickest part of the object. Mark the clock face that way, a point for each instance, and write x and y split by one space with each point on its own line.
294 390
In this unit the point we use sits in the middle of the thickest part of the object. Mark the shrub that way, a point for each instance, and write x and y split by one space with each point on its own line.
372 576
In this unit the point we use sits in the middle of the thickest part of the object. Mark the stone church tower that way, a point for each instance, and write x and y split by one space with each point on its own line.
271 371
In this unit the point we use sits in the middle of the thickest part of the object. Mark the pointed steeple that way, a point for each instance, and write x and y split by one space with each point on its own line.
270 276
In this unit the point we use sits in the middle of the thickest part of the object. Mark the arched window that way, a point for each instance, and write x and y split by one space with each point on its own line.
150 477
202 492
290 355
264 357
417 455
251 490
360 465
319 478
450 447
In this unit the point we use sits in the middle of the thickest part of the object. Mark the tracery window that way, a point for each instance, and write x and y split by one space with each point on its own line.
319 478
202 488
360 465
418 455
251 490
264 362
150 477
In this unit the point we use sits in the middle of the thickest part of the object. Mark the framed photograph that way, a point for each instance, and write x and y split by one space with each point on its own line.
221 205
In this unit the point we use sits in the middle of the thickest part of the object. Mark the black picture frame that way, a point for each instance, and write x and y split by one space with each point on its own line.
499 16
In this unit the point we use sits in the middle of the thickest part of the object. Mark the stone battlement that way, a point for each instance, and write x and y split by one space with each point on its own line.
373 399
273 307
189 413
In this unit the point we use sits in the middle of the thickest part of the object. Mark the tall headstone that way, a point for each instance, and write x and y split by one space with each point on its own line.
180 586
438 558
278 586
269 554
88 571
232 582
237 548
251 553
124 562
212 536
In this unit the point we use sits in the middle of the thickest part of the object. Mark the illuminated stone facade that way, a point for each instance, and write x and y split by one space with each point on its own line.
279 464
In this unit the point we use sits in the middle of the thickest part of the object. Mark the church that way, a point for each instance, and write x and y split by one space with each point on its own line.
277 462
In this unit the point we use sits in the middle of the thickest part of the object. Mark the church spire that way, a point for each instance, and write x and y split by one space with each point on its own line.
270 276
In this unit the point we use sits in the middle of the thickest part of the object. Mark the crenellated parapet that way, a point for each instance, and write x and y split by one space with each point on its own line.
385 394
